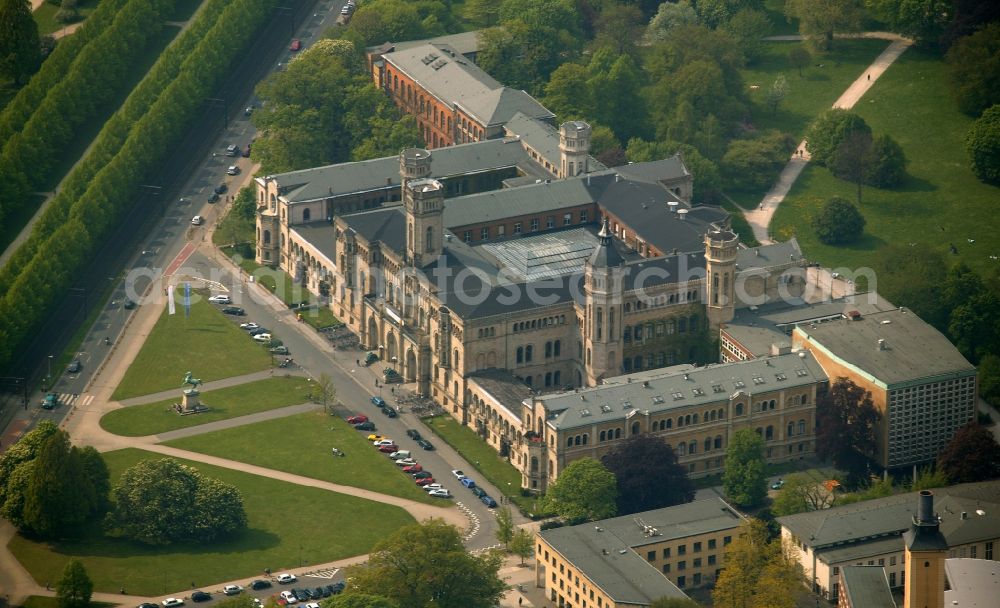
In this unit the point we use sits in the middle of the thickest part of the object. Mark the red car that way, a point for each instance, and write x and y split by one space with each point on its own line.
425 481
388 449
357 419
413 468
295 45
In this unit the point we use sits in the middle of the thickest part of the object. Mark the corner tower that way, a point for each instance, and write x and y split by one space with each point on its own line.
720 276
923 560
423 201
602 290
574 148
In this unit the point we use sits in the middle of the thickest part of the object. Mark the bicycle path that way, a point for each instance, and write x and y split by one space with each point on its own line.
760 218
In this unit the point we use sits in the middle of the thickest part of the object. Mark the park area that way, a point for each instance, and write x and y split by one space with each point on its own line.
288 526
223 404
302 445
206 343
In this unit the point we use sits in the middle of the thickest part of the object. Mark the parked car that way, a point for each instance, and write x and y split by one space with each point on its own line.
220 299
221 188
279 350
337 587
365 426
439 493
423 481
391 413
457 473
259 584
200 596
265 337
421 474
467 482
357 419
249 326
289 597
302 594
427 445
478 492
147 605
433 486
400 454
258 330
233 170
388 448
378 401
74 366
488 501
197 220
50 401
285 578
778 484
234 310
413 434
382 441
405 462
318 593
232 150
213 197
232 590
128 304
295 46
246 151
172 602
413 468
345 11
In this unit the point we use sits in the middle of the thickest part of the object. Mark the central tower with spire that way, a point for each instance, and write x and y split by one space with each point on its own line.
602 287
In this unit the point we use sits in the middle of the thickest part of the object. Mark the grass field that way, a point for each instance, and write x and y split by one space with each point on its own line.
808 95
225 403
45 16
488 463
289 525
207 343
301 444
941 201
41 601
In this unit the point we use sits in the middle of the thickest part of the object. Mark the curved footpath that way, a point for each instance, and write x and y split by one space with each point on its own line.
760 218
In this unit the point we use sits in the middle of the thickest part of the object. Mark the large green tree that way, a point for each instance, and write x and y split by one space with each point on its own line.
359 600
24 451
887 168
522 544
972 455
426 564
505 526
830 130
974 66
74 588
744 480
640 459
20 51
846 420
670 16
756 163
758 573
838 222
60 494
585 491
159 502
800 493
923 20
819 20
982 143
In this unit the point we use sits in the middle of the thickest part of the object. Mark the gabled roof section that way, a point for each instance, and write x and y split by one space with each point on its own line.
385 226
866 587
496 107
543 138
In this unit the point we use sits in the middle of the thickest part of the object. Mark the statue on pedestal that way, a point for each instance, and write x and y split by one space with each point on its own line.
190 401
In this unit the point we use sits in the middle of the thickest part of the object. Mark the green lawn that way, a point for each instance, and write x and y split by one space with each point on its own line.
488 463
45 16
207 343
288 525
301 444
42 601
225 403
940 203
816 90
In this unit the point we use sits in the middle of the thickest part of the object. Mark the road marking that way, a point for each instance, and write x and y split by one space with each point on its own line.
75 399
182 257
329 574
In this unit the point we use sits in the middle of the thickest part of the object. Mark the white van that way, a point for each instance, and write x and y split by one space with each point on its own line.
400 454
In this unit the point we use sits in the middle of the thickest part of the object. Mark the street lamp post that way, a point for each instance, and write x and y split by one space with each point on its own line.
49 377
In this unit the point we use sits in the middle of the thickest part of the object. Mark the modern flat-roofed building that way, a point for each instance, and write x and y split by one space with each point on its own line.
633 560
923 387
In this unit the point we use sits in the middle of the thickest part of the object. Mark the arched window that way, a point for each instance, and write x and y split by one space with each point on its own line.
718 442
618 433
681 449
739 409
548 349
771 404
693 323
585 435
722 414
769 433
791 429
576 440
708 444
548 378
569 442
267 237
602 436
556 348
556 378
687 420
694 419
429 239
802 427
455 360
635 428
527 353
520 354
670 422
693 447
680 421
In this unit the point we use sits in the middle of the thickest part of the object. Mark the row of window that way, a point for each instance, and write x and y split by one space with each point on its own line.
660 328
538 323
524 354
534 224
664 300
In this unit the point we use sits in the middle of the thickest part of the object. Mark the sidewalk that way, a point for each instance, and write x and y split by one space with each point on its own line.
760 218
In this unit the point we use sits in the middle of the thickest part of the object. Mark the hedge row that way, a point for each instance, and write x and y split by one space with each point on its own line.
68 238
96 76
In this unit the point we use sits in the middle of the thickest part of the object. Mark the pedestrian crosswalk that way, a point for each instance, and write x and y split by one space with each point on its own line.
75 399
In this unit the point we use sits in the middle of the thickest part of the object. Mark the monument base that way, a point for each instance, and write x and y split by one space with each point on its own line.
190 403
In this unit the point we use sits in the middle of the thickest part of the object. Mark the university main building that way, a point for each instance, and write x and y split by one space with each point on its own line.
557 306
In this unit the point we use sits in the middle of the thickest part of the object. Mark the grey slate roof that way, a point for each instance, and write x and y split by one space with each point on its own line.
320 235
544 140
505 387
913 349
974 583
866 587
387 226
605 551
883 520
673 389
669 169
346 178
454 79
772 323
464 42
766 256
526 200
